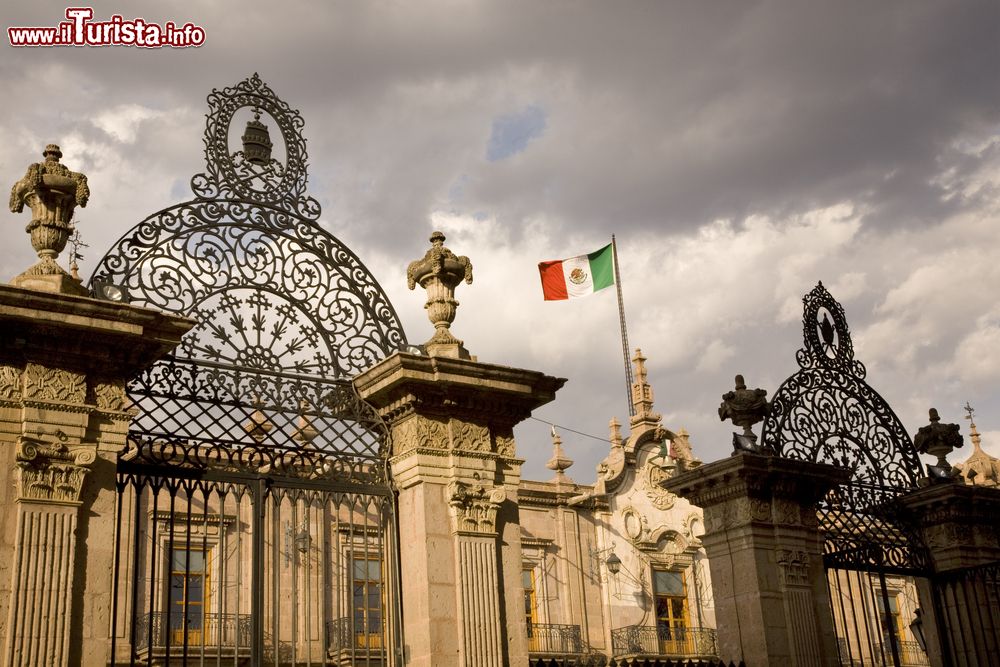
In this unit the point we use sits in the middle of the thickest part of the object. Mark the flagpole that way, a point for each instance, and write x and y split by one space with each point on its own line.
624 330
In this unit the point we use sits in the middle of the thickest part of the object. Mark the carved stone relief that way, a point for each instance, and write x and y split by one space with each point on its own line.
633 523
53 384
794 567
110 394
505 445
51 472
419 432
470 437
10 382
474 507
652 475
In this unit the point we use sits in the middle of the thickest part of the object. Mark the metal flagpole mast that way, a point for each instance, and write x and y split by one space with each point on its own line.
624 329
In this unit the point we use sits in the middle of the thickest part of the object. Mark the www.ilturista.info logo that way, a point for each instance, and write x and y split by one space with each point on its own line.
79 30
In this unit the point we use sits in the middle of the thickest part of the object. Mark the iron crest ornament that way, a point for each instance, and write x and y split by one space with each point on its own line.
286 314
827 413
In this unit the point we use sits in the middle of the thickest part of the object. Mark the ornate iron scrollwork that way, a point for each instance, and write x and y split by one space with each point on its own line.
286 314
826 412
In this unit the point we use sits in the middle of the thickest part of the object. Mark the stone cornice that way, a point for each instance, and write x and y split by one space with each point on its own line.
756 476
443 386
84 334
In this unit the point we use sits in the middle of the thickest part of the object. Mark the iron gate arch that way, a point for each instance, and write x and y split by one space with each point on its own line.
827 413
255 518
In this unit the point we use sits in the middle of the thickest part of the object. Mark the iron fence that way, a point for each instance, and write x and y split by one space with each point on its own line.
674 642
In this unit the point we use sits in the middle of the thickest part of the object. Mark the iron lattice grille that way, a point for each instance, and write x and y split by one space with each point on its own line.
195 415
863 529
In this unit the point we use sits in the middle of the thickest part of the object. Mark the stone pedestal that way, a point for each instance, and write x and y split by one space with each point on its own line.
958 525
64 361
766 557
454 463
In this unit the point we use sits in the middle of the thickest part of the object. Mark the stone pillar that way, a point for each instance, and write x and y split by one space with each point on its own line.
64 362
765 552
453 461
958 525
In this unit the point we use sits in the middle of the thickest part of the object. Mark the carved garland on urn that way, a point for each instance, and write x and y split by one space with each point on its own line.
474 507
50 472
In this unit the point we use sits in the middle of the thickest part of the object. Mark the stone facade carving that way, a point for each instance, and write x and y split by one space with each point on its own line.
794 567
469 437
54 384
419 432
51 472
110 395
10 382
652 475
505 445
474 507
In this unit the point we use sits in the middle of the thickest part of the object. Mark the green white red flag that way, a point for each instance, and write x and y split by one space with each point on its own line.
577 276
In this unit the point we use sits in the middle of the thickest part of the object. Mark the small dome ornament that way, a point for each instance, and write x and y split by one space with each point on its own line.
52 192
439 272
257 141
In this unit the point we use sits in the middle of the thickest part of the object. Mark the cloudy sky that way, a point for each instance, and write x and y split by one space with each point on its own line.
740 152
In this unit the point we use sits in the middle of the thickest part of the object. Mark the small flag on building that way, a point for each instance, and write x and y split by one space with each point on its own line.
577 276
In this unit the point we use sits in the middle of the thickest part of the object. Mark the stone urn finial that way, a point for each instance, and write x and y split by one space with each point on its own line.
439 272
744 407
52 192
939 440
559 461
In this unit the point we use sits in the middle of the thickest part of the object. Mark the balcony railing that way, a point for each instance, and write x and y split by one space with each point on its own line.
554 638
673 642
342 636
210 630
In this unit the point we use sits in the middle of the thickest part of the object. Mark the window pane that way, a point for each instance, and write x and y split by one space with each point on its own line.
526 580
668 583
374 570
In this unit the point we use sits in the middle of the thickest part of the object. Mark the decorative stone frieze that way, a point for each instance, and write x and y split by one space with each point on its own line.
109 394
42 383
470 437
474 507
10 382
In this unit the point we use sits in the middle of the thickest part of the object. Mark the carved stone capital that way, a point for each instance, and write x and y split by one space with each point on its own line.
794 567
51 472
474 507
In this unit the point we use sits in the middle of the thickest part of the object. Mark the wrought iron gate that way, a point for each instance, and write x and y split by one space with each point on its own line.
256 520
876 565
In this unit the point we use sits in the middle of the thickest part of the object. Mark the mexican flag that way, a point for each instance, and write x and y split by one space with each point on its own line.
577 276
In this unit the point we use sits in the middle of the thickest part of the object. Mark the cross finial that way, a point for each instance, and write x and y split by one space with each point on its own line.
970 413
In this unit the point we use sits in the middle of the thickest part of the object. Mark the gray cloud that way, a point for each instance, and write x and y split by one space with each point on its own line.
660 119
